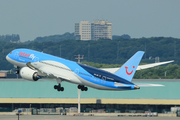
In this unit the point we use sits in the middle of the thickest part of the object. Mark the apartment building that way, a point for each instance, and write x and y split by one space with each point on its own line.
99 29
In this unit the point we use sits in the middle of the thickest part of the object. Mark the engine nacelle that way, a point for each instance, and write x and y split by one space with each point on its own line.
29 74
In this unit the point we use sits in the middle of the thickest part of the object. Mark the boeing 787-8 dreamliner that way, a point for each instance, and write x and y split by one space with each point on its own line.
36 65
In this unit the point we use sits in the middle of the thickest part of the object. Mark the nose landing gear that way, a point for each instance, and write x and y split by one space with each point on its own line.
17 70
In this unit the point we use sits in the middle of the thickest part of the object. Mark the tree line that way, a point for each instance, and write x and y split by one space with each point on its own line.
108 52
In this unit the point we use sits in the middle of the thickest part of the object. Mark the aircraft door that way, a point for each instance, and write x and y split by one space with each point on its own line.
15 54
36 60
103 80
76 71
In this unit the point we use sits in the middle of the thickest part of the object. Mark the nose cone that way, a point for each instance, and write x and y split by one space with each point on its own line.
7 58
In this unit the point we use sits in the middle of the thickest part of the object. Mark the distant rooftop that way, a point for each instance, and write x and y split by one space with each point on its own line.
4 71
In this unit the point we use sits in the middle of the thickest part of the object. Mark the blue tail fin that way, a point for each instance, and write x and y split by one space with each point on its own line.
129 68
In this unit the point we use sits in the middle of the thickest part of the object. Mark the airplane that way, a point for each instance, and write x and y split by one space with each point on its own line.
36 65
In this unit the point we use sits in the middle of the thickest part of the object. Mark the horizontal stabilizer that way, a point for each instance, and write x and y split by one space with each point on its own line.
140 67
120 85
148 85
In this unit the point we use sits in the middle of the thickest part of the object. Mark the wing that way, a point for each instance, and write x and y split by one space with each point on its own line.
46 71
148 85
140 67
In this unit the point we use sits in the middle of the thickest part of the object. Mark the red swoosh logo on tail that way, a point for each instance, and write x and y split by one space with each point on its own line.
128 72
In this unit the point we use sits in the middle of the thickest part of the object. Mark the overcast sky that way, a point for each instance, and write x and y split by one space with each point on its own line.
138 18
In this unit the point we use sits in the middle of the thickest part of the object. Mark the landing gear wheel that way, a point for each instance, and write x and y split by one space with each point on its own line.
55 86
59 89
17 71
85 88
62 88
79 86
82 89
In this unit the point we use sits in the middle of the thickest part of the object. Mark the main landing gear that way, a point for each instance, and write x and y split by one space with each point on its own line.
82 88
58 87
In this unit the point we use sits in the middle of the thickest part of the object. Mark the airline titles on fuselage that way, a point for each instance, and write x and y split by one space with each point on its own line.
27 55
101 77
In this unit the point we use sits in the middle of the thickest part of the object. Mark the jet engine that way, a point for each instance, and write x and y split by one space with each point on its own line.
29 74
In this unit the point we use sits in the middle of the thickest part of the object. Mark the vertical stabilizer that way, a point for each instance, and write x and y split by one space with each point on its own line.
128 70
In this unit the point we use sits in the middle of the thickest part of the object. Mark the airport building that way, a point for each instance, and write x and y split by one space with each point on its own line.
18 93
99 29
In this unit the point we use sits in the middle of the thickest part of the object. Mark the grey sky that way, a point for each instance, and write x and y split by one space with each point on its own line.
138 18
